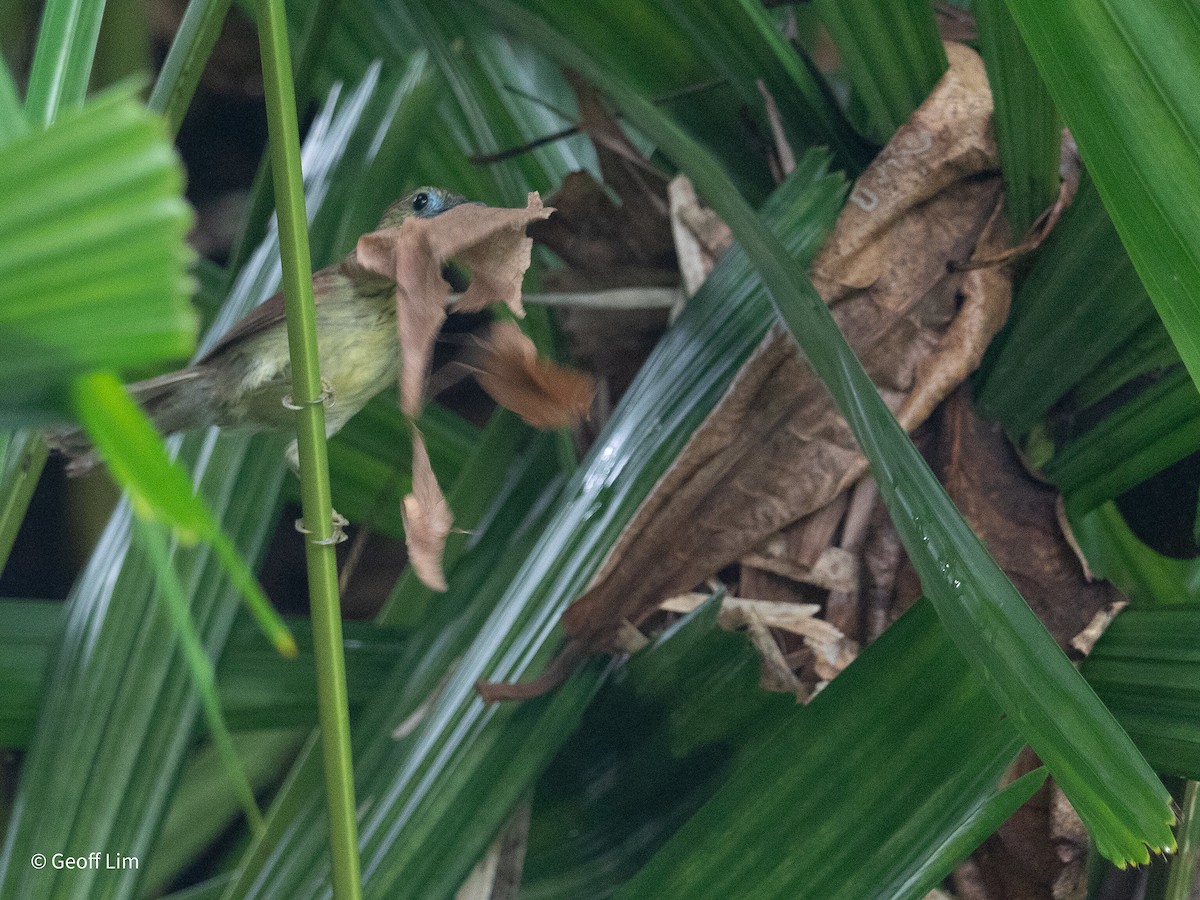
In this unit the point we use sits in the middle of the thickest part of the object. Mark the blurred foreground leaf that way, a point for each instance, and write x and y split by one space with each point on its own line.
159 488
92 257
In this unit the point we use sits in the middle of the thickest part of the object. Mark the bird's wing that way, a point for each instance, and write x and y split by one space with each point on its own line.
269 312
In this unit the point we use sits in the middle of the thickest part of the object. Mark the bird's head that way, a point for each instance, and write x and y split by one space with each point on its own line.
423 203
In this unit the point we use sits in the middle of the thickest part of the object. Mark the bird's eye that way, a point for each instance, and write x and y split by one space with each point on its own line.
420 201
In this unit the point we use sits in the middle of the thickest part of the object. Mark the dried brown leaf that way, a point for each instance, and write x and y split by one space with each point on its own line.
498 262
1015 517
834 570
616 243
427 519
776 675
492 243
407 256
639 184
626 243
775 448
700 236
542 393
1085 641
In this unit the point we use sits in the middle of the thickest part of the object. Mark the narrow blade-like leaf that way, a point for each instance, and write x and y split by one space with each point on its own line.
1124 76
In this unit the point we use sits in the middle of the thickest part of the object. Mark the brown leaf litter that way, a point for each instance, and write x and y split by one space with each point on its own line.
1039 853
775 449
427 519
701 238
1016 518
492 244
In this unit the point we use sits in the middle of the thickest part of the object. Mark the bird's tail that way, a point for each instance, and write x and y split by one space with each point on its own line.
160 397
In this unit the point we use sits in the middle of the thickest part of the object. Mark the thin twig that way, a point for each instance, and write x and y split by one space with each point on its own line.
1034 236
783 148
488 159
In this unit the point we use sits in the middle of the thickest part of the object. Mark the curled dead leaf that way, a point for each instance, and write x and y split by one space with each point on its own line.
407 256
542 393
700 236
427 519
498 262
492 243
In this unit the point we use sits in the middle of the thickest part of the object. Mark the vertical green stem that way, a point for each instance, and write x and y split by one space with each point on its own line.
310 433
1183 863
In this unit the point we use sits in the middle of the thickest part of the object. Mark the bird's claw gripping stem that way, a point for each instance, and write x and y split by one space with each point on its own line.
336 537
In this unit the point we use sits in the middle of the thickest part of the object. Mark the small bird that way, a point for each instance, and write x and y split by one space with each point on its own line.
244 380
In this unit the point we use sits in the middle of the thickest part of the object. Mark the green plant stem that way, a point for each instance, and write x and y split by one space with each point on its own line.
310 432
1183 863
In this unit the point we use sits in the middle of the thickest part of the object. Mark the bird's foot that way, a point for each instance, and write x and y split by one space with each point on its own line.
336 536
326 399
